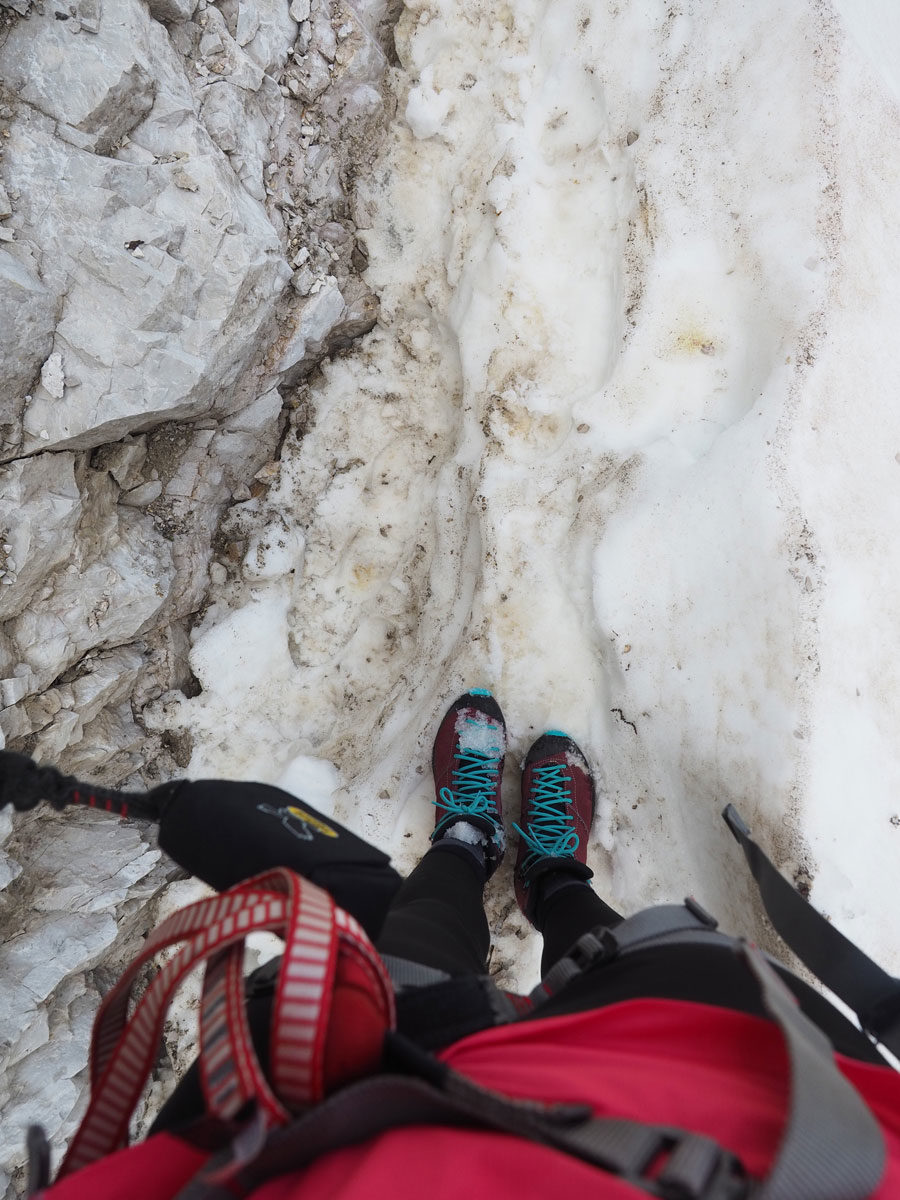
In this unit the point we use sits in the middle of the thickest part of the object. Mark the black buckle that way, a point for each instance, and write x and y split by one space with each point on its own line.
697 1168
727 1180
660 1160
700 912
596 946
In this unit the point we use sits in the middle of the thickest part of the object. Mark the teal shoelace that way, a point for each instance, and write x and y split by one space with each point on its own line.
550 832
474 783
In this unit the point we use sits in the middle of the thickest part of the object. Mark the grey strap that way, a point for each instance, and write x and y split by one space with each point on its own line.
703 1170
832 1148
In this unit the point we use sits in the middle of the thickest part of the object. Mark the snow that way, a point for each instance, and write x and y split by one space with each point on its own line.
312 779
482 736
624 447
462 831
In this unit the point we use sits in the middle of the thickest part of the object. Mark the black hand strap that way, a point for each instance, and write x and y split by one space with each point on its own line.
24 784
872 994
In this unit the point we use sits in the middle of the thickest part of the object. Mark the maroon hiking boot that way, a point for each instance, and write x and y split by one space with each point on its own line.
468 768
557 812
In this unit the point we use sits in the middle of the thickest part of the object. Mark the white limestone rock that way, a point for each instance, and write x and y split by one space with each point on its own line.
78 866
314 321
323 31
101 87
274 31
62 613
53 381
83 868
198 480
124 460
88 15
313 76
142 495
9 868
40 507
221 55
158 337
247 24
165 667
247 438
55 737
240 123
35 1034
107 677
28 312
168 291
154 309
106 603
169 11
112 744
222 112
75 943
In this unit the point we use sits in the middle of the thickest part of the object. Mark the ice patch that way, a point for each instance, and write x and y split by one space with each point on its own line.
484 736
427 109
574 760
462 831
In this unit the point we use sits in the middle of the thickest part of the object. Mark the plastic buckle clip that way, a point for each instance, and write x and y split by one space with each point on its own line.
697 910
593 947
698 1168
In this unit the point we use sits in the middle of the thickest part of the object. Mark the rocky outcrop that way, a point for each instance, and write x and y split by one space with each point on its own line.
164 269
177 253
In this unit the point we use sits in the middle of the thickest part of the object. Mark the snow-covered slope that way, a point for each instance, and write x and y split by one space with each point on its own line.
624 447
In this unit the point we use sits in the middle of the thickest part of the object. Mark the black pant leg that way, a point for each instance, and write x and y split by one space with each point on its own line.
437 917
565 915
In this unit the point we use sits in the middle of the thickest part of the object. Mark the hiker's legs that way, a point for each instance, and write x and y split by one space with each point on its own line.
565 915
437 917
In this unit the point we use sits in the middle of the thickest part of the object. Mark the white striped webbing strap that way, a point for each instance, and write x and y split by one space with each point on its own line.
123 1049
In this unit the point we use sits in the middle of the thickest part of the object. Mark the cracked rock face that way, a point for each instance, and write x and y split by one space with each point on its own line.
177 254
165 270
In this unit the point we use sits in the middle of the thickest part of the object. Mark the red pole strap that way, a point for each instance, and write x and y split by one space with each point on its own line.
318 938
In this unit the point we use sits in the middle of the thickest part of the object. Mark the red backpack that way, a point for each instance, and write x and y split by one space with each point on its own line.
340 1077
